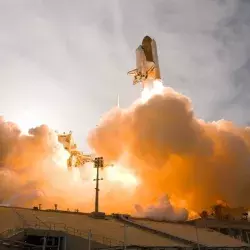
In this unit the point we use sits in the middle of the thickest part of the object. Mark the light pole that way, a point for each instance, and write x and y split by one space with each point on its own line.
98 164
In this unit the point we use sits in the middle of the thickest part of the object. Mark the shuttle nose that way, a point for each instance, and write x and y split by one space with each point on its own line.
146 39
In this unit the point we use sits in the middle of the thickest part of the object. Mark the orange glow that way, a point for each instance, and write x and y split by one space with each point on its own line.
123 175
158 147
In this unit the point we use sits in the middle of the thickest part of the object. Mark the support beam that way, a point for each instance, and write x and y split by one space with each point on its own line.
44 242
89 239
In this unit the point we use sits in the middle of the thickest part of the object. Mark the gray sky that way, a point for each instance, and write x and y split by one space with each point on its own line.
63 62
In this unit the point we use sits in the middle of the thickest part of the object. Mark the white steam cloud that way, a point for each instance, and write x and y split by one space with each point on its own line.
163 211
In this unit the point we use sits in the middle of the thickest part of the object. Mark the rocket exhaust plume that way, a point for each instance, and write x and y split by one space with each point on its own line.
175 153
158 147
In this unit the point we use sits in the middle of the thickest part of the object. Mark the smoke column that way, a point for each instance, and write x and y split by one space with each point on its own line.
173 152
33 170
33 167
158 148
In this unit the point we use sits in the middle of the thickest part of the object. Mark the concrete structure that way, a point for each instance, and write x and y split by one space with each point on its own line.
238 229
115 232
201 236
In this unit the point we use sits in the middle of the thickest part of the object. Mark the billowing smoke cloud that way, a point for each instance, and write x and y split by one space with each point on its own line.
159 147
33 170
163 211
173 152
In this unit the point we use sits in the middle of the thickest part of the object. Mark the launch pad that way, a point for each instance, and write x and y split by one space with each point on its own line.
77 159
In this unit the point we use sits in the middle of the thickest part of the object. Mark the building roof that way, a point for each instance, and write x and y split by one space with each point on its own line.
113 229
215 223
109 228
204 236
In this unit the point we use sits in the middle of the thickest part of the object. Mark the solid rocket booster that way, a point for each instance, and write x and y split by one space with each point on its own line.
147 63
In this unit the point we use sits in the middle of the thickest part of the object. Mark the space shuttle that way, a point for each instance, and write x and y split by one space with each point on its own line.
147 63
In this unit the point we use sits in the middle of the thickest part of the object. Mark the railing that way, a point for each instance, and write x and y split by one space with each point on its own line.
18 244
10 232
53 226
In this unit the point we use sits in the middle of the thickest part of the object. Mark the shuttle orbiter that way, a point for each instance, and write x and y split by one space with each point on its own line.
147 64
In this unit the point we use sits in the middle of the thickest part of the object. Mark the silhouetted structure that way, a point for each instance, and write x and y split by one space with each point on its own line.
98 164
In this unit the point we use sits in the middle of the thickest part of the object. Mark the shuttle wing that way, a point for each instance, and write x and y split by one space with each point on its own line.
133 72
